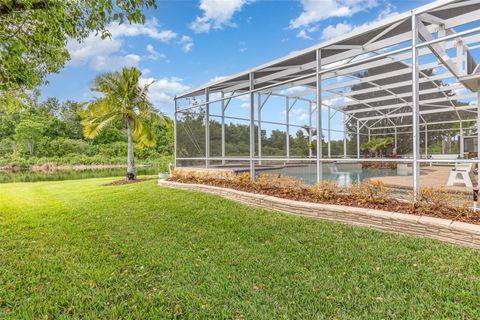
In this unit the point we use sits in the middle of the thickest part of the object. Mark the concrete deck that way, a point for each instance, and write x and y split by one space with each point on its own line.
434 177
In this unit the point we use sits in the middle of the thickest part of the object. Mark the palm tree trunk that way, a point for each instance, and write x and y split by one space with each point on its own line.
130 158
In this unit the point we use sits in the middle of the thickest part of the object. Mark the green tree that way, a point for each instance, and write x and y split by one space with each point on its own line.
124 100
29 133
34 33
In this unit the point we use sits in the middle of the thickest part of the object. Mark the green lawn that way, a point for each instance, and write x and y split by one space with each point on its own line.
77 249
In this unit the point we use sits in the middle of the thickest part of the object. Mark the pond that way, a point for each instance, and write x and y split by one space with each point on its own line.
33 176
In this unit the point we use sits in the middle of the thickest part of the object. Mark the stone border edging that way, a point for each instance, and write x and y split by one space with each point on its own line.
455 232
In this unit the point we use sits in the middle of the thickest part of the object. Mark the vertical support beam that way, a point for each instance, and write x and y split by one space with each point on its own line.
426 141
329 134
259 128
310 129
358 139
319 115
223 128
396 145
415 107
368 134
478 134
207 128
287 121
252 128
462 146
175 131
345 135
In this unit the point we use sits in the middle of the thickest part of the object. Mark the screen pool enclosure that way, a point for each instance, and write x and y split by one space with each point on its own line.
401 94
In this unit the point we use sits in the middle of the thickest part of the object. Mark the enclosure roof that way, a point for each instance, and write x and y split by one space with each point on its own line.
372 65
360 35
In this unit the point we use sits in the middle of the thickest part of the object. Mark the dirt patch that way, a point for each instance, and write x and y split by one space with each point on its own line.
123 181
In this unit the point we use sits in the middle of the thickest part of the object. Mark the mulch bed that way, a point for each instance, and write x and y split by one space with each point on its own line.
305 195
124 181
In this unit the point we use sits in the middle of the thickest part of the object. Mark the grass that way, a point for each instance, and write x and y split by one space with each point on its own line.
78 249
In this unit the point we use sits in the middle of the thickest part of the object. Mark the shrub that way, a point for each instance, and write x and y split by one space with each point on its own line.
370 192
325 190
64 146
431 200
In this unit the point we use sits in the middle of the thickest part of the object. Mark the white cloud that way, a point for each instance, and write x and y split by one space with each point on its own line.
106 63
216 14
100 54
186 42
318 10
162 91
104 55
331 31
150 29
303 34
154 54
81 53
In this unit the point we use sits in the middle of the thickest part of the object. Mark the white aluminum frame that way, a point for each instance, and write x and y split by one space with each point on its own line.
383 43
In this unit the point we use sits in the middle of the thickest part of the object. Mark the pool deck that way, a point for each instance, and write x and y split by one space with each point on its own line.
433 177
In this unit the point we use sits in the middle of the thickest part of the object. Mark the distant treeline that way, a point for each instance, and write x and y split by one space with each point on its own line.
33 132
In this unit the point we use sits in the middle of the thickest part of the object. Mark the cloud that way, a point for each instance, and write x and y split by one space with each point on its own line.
154 54
331 31
150 29
186 42
339 29
100 54
106 63
217 14
162 91
104 55
303 34
315 10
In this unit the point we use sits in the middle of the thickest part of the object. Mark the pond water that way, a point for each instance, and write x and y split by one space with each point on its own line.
30 176
343 176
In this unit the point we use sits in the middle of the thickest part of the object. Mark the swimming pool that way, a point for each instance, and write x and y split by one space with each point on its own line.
343 175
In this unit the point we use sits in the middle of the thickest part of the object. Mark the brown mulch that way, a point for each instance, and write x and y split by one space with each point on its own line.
305 195
124 181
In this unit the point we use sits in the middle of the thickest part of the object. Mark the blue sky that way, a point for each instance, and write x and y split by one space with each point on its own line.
187 43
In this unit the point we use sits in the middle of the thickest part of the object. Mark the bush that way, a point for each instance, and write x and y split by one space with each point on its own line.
430 200
370 192
325 190
64 146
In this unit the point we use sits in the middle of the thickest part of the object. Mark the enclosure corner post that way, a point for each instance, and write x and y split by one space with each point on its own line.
223 127
252 127
175 131
310 155
358 139
207 127
287 121
259 128
319 114
415 107
329 134
344 135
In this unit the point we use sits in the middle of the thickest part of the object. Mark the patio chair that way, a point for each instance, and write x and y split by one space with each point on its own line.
461 175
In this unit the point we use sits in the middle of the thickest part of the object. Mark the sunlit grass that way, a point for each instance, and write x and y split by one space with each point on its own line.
83 250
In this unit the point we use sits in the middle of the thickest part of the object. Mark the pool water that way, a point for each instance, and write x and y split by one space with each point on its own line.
344 177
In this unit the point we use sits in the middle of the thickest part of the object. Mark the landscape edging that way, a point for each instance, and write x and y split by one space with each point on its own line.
450 231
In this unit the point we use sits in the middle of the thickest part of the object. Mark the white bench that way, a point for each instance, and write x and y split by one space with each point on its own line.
461 175
443 157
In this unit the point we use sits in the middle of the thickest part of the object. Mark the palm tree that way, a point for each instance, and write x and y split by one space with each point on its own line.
124 100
